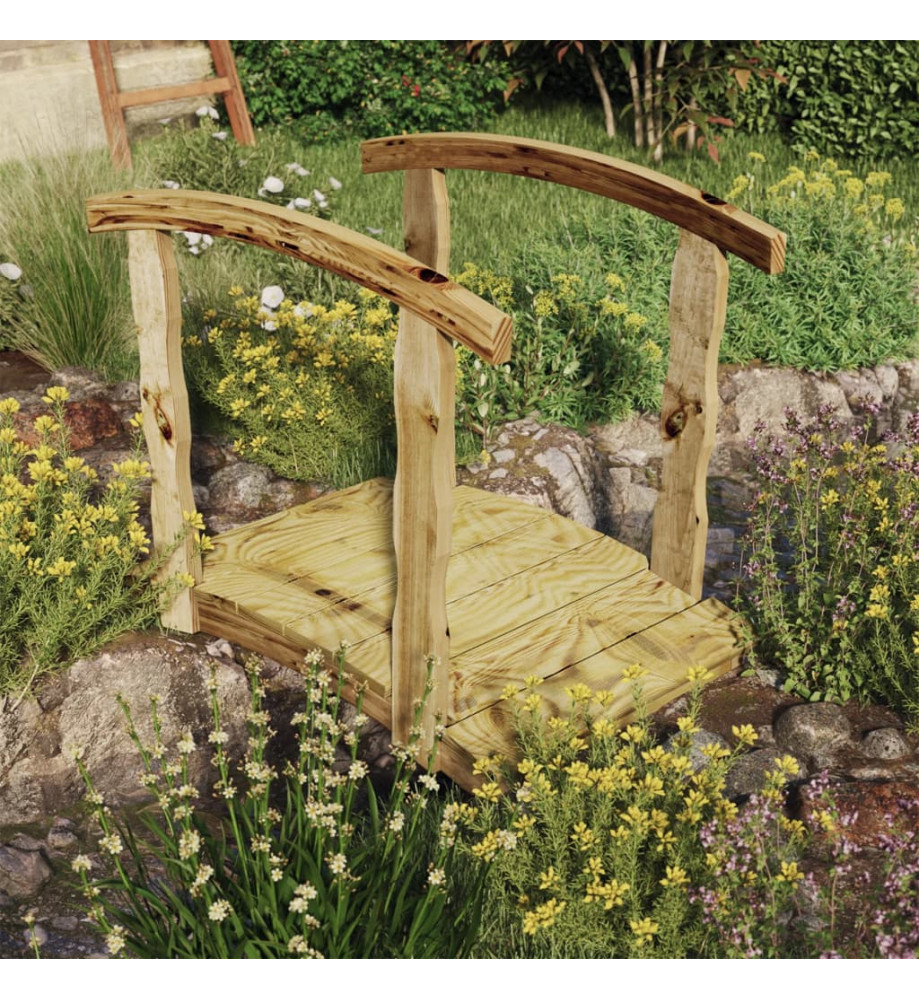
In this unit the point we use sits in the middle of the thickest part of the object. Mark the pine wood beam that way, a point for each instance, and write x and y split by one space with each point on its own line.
689 412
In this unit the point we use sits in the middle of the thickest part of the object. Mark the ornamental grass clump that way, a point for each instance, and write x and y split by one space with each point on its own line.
831 562
70 549
609 855
580 353
307 388
317 865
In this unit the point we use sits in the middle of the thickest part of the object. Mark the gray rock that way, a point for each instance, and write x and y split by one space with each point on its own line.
574 489
885 744
40 777
22 873
23 842
748 775
503 455
60 839
813 732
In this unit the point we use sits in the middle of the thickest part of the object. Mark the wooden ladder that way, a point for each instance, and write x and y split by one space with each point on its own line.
114 101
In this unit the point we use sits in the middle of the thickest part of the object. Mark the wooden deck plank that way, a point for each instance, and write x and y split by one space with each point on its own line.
706 634
481 617
563 636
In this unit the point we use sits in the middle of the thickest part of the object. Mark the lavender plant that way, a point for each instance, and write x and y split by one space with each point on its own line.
831 565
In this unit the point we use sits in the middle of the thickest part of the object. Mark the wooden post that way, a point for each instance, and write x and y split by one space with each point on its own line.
164 402
423 493
698 300
112 113
235 101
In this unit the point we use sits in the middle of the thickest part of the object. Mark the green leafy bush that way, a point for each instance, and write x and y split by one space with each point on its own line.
832 563
579 354
307 388
334 89
847 98
69 550
335 872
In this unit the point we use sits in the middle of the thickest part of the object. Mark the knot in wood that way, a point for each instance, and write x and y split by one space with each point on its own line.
675 423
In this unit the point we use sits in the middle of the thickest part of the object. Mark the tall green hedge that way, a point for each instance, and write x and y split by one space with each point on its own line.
329 89
845 98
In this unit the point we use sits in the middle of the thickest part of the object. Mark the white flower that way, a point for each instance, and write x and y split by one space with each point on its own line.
273 184
295 168
272 296
304 310
299 203
186 744
207 112
220 136
11 271
219 911
429 782
81 863
193 238
172 185
337 863
373 232
334 184
437 876
319 197
114 940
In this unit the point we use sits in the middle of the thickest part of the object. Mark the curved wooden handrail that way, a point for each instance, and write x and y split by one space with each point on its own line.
449 307
715 220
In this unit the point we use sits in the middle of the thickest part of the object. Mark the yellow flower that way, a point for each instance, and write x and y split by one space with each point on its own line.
829 498
634 672
490 791
9 406
894 209
644 929
544 304
698 674
790 872
61 567
676 876
745 734
756 157
542 917
549 879
56 394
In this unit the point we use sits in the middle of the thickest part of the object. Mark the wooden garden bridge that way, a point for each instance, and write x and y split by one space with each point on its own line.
495 589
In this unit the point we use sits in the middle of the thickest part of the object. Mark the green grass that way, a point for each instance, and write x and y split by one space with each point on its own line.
72 304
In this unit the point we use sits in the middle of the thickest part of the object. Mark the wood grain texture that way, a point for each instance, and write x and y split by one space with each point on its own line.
164 403
234 99
690 208
689 412
424 385
112 115
409 283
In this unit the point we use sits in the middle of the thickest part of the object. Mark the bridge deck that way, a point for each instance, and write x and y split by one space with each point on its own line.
528 592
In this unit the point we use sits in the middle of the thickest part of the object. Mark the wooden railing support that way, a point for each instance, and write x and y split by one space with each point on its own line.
164 403
689 411
425 379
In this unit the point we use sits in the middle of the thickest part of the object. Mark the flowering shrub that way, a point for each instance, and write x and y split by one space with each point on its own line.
580 353
323 876
608 830
69 550
846 297
307 387
832 562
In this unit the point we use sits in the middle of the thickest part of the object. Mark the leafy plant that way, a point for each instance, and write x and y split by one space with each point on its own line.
69 549
579 354
832 563
844 97
335 872
307 387
335 89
